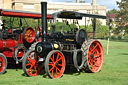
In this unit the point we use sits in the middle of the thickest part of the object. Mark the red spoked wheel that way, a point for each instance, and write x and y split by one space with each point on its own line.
94 56
29 34
31 64
3 63
55 64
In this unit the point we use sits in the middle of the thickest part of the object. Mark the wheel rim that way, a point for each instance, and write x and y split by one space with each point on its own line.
2 64
56 65
33 68
29 35
95 56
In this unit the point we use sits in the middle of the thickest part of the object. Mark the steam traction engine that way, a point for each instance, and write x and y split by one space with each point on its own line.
59 49
15 42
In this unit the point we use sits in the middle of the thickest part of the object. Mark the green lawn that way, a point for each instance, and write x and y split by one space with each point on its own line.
114 71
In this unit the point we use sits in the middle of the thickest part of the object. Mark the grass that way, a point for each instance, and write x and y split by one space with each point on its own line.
114 71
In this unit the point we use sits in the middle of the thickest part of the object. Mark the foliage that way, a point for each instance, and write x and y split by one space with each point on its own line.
100 35
126 37
113 11
113 37
88 28
123 15
61 26
119 37
19 23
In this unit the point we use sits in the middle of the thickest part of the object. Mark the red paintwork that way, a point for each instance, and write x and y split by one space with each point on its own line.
29 34
8 43
24 14
8 46
20 41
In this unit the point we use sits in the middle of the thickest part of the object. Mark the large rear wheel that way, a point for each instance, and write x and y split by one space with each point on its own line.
94 55
3 63
55 64
31 65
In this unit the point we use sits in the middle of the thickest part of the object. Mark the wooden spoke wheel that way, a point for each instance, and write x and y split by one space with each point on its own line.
3 63
31 65
29 34
94 55
55 64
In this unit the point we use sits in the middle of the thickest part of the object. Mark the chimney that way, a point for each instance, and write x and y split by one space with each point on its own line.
77 1
94 2
44 20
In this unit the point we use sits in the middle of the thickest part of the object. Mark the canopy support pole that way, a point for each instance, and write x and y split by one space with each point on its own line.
94 28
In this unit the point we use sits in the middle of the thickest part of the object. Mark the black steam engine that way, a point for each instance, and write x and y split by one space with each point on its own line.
59 49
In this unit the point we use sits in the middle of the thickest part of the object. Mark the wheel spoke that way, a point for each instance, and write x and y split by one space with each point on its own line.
28 64
93 50
50 64
29 68
56 72
92 65
31 71
58 59
35 69
58 69
52 72
97 54
51 69
95 58
60 65
52 59
28 59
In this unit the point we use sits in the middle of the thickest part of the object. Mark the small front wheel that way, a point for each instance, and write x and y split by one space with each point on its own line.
31 65
55 64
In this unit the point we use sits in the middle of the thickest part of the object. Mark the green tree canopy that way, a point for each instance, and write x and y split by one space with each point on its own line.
113 11
123 15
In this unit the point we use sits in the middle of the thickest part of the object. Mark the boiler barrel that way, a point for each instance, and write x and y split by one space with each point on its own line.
8 43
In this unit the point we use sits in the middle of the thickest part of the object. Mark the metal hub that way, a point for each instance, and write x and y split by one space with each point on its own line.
56 64
92 56
33 63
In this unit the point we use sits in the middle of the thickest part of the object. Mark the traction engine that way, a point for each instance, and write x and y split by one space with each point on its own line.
59 49
13 44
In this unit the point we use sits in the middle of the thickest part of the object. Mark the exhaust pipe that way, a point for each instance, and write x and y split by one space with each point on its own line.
44 21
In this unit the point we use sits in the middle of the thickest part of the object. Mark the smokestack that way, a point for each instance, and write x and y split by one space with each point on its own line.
77 1
44 20
94 2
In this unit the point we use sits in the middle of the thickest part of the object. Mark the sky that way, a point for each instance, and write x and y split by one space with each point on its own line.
111 4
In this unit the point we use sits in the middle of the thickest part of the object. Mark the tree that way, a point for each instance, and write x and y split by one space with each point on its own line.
113 11
123 15
19 23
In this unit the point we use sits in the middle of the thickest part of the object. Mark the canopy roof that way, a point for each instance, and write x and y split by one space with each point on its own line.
23 14
75 15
